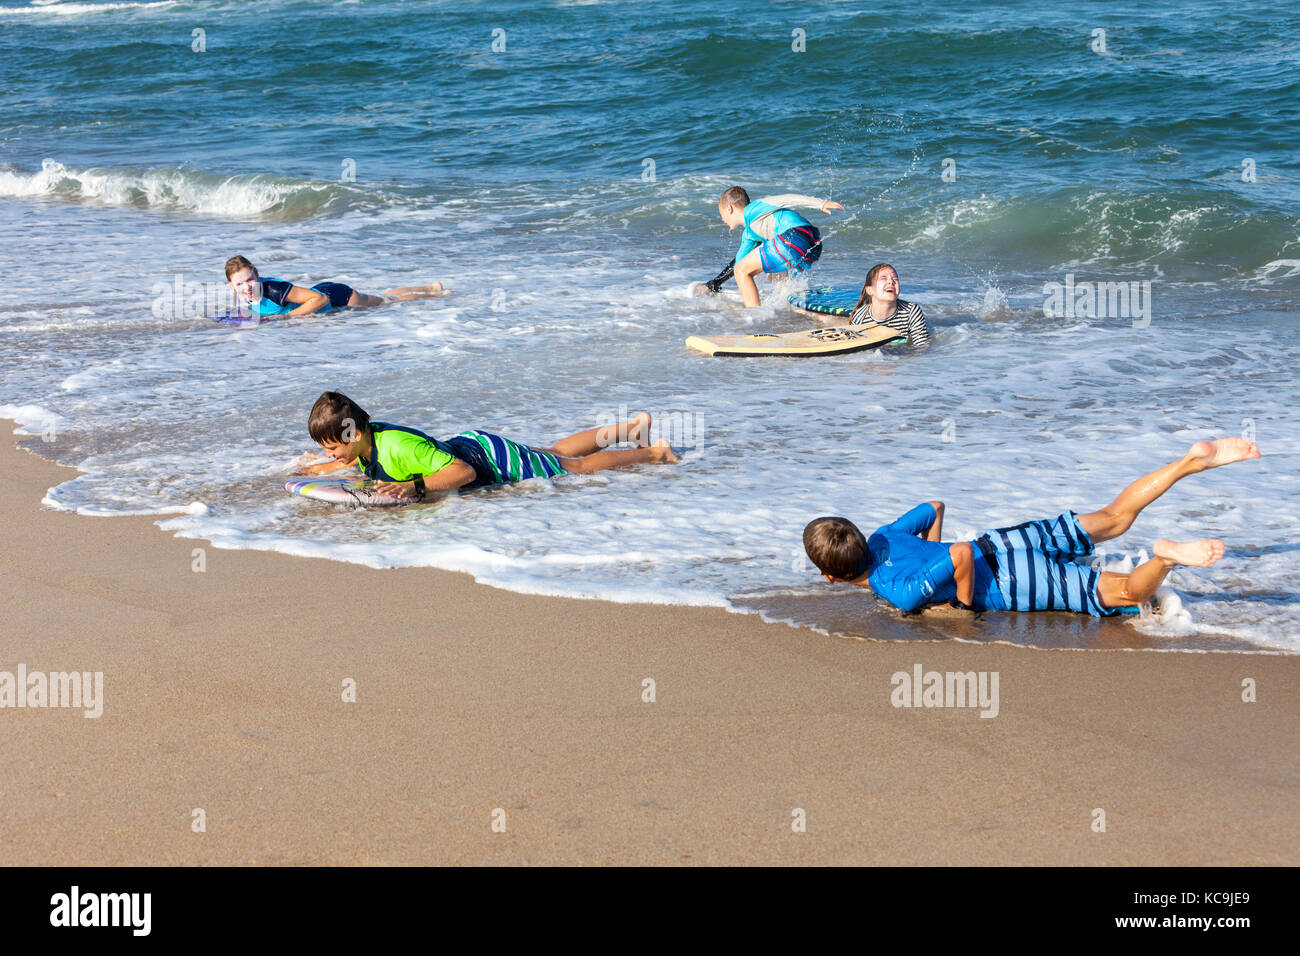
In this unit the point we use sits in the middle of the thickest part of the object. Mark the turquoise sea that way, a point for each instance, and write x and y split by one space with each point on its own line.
558 166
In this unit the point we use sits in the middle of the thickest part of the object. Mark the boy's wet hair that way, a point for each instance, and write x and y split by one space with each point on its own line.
734 196
837 547
336 418
235 263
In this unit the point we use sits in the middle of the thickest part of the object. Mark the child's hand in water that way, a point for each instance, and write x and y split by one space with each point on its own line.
398 489
828 205
311 464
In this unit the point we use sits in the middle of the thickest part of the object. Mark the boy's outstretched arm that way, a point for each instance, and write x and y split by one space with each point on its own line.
714 285
448 478
320 467
797 200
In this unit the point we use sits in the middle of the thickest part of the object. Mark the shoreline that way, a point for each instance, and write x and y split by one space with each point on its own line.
221 692
839 613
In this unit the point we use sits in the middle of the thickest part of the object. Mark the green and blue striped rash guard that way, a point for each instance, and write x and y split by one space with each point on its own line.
402 453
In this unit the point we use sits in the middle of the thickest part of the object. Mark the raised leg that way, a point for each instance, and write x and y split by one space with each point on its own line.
1138 586
1118 516
636 431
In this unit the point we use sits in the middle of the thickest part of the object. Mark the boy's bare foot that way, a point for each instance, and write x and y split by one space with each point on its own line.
664 453
1224 451
1196 554
638 430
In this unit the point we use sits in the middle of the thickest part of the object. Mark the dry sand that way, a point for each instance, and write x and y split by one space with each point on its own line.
222 691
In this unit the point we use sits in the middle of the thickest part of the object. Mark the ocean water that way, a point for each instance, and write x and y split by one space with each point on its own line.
557 165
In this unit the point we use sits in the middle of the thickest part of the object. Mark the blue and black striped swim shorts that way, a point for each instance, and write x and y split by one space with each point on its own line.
1034 567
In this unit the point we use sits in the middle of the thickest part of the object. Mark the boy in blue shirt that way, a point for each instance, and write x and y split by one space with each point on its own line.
1029 567
774 238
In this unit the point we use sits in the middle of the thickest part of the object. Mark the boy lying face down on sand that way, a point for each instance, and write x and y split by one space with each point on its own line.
1028 567
408 463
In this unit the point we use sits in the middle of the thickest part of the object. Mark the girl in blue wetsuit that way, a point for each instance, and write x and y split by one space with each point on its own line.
278 297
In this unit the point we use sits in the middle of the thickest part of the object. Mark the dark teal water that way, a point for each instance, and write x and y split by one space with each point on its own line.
565 185
1088 157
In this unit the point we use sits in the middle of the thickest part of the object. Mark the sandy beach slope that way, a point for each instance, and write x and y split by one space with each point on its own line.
222 691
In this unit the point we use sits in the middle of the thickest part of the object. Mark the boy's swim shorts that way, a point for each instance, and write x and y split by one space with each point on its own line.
336 292
1033 567
496 460
793 250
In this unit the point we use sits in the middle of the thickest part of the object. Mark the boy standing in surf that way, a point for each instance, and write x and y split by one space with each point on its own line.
408 463
1028 567
774 239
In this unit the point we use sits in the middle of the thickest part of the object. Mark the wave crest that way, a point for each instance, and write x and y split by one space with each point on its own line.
245 196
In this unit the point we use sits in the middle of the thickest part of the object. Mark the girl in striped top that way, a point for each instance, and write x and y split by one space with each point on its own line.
880 303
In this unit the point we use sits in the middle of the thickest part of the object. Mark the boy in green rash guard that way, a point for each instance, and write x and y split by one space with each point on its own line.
408 463
774 239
